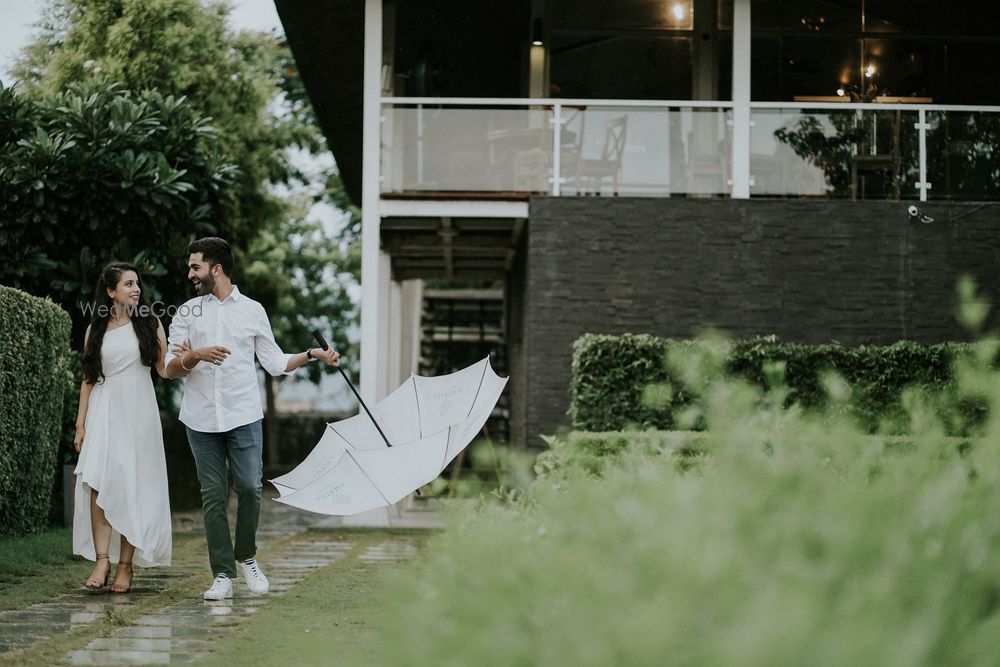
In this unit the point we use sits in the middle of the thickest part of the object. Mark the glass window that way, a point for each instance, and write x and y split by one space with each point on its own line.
806 15
621 14
620 67
786 68
955 17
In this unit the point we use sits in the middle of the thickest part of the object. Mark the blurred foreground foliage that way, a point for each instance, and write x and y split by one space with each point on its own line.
776 535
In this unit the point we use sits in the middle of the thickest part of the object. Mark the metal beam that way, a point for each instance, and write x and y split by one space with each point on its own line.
416 208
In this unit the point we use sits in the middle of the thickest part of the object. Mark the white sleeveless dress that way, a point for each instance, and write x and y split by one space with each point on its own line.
122 458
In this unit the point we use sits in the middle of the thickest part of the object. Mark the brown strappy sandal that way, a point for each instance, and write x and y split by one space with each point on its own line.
96 584
128 588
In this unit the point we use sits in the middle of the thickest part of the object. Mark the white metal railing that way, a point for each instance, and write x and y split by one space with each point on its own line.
566 147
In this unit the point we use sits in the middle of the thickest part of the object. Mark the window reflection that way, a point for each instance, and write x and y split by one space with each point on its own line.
873 50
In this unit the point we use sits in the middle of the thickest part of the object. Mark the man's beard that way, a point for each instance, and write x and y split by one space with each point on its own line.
206 286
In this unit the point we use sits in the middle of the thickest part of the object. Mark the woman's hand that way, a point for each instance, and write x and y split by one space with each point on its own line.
78 440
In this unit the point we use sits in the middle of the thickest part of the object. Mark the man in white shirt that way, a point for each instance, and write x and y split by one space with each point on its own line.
213 340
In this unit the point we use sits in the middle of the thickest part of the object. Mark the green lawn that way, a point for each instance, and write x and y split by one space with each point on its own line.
330 616
34 568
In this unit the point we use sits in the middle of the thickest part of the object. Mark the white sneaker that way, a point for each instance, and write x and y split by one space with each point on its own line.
256 581
221 589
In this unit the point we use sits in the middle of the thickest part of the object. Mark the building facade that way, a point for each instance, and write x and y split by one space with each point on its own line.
815 169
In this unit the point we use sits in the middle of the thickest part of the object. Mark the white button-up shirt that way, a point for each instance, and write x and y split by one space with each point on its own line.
220 398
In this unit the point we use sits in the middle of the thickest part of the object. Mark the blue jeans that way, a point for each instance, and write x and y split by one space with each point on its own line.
242 448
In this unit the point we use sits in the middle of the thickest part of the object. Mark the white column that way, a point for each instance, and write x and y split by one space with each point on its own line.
394 344
741 99
374 272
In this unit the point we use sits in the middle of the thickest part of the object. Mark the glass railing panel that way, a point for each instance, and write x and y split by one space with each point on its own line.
833 153
645 151
963 155
464 149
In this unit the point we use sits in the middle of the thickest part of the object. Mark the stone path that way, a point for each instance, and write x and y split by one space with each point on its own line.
182 632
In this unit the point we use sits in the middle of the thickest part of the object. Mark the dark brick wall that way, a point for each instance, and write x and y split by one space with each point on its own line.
807 271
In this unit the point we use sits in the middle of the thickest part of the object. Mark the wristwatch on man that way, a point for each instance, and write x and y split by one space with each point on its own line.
309 355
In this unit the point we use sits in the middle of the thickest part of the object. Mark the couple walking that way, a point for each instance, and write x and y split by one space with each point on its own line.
122 510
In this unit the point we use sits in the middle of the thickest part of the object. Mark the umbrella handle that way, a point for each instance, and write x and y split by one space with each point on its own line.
326 346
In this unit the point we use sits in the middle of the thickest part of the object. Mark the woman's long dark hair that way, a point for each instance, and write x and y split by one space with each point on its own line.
144 322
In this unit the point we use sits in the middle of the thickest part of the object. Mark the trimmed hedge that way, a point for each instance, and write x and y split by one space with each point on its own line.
624 381
35 374
593 453
576 453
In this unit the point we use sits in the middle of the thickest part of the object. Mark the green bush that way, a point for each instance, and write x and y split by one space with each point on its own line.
798 539
626 381
35 376
593 453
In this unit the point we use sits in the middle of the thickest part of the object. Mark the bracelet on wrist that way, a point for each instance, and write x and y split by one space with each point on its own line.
309 355
185 367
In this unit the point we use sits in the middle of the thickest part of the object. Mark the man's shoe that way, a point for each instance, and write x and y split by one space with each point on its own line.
256 581
221 589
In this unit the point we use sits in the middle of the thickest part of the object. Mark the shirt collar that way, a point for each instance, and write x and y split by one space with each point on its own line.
234 295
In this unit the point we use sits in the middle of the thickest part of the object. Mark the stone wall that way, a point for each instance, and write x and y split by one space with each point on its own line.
807 271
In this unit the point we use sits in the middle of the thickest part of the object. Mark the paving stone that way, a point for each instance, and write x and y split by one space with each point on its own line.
30 630
169 632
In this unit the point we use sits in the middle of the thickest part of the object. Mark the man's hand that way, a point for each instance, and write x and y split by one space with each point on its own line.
329 356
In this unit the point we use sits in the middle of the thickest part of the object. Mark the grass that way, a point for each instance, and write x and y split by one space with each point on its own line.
332 615
34 568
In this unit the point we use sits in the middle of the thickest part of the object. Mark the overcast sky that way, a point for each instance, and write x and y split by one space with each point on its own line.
18 16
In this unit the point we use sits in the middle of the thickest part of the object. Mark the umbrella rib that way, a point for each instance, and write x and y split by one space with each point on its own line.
374 485
444 460
479 388
416 397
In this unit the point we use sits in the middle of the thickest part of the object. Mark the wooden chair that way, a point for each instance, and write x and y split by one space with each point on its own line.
591 173
887 164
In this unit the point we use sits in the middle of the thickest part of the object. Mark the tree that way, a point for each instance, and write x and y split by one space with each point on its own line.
247 84
181 48
96 173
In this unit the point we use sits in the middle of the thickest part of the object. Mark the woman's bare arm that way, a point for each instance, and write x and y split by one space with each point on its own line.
161 335
81 413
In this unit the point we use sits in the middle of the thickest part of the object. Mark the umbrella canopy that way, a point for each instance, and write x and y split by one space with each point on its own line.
427 421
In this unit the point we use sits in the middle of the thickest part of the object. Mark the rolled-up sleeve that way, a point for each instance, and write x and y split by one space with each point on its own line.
268 353
178 334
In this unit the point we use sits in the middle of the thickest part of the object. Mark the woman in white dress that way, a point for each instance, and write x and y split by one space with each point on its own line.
122 510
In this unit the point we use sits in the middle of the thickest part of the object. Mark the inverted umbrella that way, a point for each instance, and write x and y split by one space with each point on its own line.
376 458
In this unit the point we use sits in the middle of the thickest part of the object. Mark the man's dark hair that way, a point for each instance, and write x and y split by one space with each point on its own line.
214 251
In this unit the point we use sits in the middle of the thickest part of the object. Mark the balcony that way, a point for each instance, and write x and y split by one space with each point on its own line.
513 147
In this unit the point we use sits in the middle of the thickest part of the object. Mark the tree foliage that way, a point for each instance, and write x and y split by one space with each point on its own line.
97 172
182 48
245 91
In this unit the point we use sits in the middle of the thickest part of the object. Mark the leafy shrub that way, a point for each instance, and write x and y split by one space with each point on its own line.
593 453
622 381
35 380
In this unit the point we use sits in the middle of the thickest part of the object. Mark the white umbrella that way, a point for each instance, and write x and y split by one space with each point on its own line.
405 441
